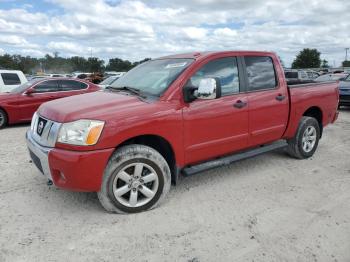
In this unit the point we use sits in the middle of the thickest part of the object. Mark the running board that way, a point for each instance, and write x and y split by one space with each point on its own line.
226 160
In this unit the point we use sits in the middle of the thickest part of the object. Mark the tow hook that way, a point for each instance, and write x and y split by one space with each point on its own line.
49 182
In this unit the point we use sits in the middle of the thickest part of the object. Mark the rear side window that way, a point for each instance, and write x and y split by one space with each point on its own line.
10 79
70 85
223 68
46 86
260 72
291 74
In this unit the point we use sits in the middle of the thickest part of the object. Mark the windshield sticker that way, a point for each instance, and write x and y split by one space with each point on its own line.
176 65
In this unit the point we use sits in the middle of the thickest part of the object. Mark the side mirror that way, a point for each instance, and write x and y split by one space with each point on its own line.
209 88
29 92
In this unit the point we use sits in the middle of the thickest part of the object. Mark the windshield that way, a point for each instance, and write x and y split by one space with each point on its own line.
109 80
25 86
153 77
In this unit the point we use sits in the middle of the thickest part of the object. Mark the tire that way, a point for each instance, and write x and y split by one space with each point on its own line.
3 119
134 170
308 133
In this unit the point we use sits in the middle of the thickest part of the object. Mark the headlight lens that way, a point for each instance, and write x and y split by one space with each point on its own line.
81 132
34 119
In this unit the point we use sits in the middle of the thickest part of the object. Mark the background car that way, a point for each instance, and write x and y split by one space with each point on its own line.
344 92
112 73
108 81
10 79
300 76
19 104
330 77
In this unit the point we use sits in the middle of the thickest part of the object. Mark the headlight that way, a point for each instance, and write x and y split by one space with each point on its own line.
34 119
81 132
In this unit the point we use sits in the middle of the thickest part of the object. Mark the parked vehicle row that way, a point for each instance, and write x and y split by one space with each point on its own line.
180 114
18 105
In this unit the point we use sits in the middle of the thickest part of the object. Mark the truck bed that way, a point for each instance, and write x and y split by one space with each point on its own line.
307 83
321 95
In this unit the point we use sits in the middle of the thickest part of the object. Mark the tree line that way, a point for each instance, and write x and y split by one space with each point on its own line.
311 58
56 64
307 58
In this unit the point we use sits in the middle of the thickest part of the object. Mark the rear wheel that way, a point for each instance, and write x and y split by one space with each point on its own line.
137 178
3 118
305 141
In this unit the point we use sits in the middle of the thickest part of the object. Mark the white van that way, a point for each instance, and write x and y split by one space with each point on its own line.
10 79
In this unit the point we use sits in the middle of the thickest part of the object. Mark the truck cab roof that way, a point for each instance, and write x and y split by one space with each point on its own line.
200 55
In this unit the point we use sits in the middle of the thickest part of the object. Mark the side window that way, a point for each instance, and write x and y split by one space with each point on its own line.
46 86
260 72
310 75
223 68
303 75
10 79
70 85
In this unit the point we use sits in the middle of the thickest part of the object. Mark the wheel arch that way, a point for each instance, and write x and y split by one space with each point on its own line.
159 143
316 113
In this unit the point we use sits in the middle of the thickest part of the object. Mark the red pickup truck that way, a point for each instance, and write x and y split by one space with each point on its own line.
174 115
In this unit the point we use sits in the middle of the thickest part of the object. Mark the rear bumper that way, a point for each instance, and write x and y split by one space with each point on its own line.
72 170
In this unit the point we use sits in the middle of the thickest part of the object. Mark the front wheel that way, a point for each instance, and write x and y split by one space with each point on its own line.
305 141
137 178
3 118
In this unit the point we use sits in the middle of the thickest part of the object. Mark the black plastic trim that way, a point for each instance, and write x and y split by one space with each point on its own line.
226 160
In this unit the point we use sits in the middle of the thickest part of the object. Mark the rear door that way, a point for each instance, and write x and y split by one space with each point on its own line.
268 100
216 127
44 91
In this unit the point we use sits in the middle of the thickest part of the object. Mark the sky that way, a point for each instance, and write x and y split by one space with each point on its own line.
138 29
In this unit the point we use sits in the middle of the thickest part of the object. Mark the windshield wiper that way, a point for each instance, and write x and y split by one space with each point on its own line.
132 90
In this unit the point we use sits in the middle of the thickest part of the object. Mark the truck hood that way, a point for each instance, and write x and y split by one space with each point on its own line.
105 106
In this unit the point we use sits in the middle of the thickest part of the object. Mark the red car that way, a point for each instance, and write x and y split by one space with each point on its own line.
176 115
20 104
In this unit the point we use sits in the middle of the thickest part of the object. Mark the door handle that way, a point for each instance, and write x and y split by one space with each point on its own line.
280 97
239 104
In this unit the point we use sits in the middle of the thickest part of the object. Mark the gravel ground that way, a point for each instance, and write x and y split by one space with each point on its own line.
267 208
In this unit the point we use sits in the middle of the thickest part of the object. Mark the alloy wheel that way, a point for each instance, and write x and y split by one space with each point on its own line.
135 185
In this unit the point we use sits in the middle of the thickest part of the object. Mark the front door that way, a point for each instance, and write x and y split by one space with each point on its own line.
220 126
43 92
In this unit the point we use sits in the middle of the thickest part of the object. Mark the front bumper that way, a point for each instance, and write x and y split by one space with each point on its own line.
344 100
73 170
39 155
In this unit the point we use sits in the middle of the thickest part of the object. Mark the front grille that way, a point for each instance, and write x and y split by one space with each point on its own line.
36 161
344 97
45 131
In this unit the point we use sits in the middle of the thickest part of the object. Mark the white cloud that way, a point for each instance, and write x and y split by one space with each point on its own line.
138 29
13 40
67 47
